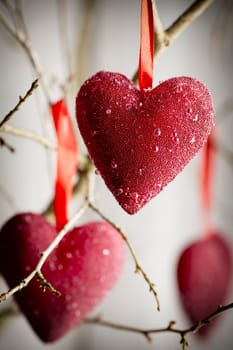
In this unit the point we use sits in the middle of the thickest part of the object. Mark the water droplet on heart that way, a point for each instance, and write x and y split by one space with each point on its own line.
157 132
190 110
128 106
194 117
158 186
192 141
77 313
134 196
72 306
60 267
27 268
156 149
93 133
140 104
114 165
176 137
117 81
52 266
108 111
130 86
27 218
140 171
140 137
68 297
125 206
69 255
105 252
118 191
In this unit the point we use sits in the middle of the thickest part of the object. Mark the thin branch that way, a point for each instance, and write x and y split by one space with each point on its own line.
21 36
6 25
166 38
170 328
4 143
28 135
138 267
158 26
20 102
190 15
84 37
62 7
44 255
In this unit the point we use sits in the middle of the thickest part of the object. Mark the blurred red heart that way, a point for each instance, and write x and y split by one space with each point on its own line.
139 141
204 277
84 267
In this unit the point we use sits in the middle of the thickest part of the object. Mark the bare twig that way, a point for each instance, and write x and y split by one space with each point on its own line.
44 255
21 36
20 102
170 328
62 6
138 267
165 38
28 135
182 22
85 34
4 143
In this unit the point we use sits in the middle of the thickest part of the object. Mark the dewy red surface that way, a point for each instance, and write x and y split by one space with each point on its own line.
204 277
84 267
139 141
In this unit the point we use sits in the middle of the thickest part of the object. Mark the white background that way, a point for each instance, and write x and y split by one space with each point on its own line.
169 222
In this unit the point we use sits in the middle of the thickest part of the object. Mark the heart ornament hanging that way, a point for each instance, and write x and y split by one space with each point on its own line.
83 268
140 140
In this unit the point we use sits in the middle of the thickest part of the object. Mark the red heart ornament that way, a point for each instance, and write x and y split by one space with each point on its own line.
204 277
139 141
84 267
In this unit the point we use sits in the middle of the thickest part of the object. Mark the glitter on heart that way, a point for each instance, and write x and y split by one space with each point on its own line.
140 140
84 267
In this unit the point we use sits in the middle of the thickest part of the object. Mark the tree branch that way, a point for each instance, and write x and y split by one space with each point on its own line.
44 255
26 134
21 36
138 267
20 102
3 143
164 39
170 328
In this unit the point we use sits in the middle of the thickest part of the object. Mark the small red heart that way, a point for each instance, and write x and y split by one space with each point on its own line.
204 277
84 267
139 141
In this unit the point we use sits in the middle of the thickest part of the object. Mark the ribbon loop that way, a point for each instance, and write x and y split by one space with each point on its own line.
207 176
67 161
146 56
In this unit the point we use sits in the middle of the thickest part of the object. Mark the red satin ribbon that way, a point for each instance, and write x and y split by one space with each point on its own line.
67 161
207 176
146 56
